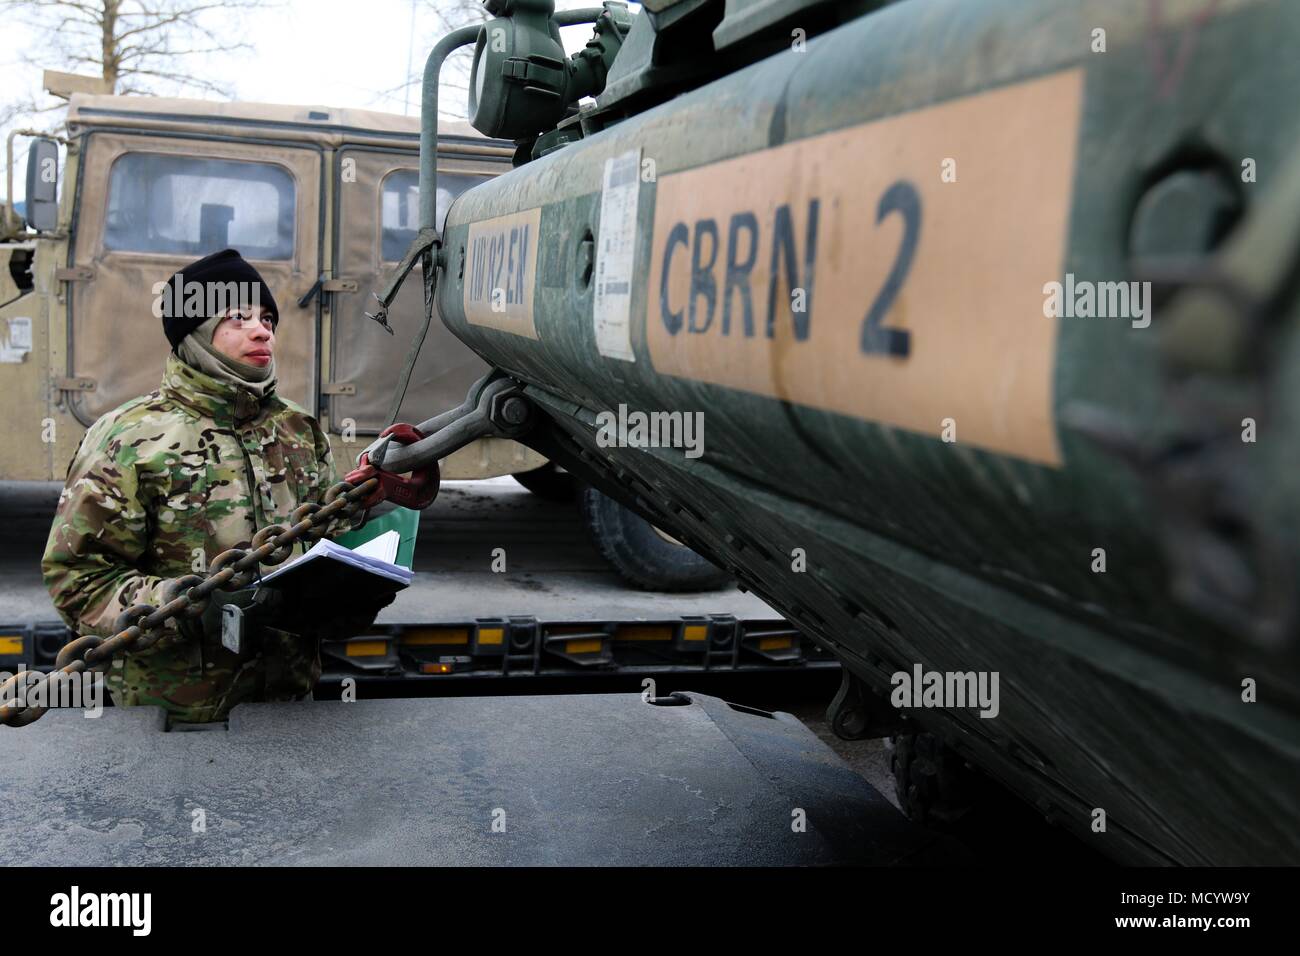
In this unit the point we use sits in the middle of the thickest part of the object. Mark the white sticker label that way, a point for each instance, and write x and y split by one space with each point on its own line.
17 341
615 256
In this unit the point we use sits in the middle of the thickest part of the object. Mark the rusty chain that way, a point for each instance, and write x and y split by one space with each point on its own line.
140 626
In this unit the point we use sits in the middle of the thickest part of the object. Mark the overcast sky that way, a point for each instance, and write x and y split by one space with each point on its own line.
339 53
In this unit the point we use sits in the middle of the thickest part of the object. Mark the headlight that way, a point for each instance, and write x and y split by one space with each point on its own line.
517 84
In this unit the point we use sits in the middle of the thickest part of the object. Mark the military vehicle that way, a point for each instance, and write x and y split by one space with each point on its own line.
991 311
868 241
321 199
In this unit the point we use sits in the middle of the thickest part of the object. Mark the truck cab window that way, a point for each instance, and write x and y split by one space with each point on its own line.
179 205
400 207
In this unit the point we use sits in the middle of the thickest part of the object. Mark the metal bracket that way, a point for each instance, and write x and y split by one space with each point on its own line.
64 384
338 388
1219 328
858 714
232 628
495 406
74 274
323 285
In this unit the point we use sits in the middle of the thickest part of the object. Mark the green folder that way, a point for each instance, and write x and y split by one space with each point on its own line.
404 521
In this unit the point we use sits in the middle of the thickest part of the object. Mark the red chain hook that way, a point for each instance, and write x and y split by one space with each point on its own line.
415 491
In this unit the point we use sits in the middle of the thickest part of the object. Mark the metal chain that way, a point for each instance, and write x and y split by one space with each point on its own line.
139 627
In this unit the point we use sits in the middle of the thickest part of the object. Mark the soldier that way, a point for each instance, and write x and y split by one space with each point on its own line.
164 483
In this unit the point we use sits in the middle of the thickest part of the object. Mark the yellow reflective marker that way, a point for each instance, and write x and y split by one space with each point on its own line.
366 648
444 635
644 632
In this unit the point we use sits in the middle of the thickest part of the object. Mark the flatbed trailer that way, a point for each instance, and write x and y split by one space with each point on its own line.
556 610
517 647
522 646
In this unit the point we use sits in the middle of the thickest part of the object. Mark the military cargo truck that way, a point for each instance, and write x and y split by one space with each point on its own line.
319 199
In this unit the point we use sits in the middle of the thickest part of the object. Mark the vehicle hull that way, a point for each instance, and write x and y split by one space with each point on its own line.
945 503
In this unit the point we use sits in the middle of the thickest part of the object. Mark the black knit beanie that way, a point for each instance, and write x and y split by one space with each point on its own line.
183 310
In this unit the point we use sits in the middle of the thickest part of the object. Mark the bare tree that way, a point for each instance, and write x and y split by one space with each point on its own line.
135 45
452 14
436 18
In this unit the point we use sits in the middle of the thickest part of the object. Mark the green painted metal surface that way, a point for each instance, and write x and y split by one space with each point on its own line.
1121 690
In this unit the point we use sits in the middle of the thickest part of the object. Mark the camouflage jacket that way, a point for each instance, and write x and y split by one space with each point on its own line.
157 489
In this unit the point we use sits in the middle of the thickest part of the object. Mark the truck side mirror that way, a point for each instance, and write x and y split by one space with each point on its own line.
42 208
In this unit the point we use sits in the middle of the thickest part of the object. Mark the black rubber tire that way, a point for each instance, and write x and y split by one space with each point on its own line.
548 482
639 554
934 785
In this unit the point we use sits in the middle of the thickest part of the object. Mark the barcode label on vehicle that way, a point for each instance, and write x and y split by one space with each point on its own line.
616 257
624 169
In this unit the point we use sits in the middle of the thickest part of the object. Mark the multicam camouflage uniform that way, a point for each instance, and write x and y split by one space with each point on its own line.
158 488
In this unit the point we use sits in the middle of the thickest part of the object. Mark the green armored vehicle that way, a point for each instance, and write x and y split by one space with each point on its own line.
990 311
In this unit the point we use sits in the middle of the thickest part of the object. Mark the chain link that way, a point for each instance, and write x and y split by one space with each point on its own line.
141 626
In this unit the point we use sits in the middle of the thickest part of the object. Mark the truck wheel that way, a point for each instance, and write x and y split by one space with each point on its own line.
934 785
644 556
549 482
